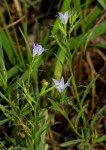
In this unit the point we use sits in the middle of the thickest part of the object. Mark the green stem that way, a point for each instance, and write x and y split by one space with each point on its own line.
70 123
35 127
76 91
31 67
69 61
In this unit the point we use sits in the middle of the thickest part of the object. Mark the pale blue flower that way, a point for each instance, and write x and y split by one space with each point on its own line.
64 17
37 49
60 86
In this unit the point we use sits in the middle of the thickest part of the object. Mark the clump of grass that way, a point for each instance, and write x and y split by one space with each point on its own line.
29 102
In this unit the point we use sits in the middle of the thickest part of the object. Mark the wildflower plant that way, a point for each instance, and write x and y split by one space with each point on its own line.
36 52
64 45
26 101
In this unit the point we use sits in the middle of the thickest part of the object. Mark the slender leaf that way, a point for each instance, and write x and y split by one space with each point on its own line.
13 71
28 51
88 88
93 16
79 116
5 120
72 142
76 42
101 139
102 3
97 115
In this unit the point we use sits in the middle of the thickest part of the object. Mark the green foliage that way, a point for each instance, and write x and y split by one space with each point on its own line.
26 92
3 74
97 115
102 3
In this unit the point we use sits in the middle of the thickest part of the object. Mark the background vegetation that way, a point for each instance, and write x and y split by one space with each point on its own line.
33 114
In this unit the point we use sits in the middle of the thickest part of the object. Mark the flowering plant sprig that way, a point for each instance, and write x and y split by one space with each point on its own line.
37 49
60 86
64 17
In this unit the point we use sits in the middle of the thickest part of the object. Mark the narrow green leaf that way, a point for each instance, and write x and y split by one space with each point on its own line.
4 110
13 71
72 142
97 115
56 106
21 80
93 16
4 97
80 113
44 127
76 42
28 51
98 30
4 120
102 3
101 139
86 91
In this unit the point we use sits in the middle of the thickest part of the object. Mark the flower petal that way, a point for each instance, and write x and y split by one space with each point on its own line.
37 49
66 16
60 86
41 51
62 81
34 52
33 45
55 82
61 16
59 89
67 84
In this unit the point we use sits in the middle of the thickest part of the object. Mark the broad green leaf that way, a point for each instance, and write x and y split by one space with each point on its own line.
3 74
11 148
1 50
7 47
59 64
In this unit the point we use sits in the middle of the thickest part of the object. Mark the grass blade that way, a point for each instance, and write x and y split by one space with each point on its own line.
88 88
97 115
72 142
